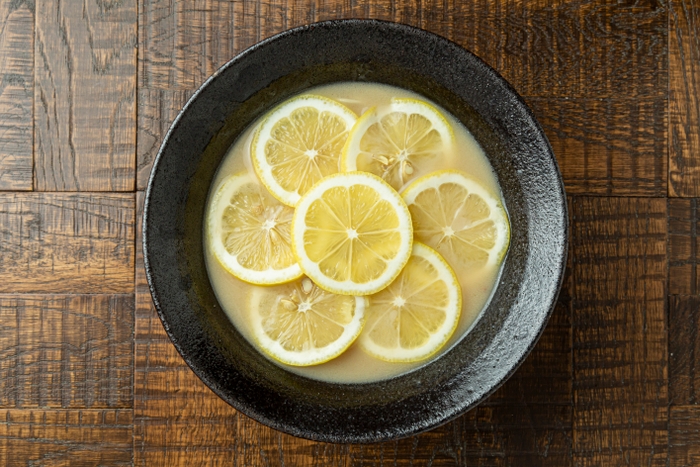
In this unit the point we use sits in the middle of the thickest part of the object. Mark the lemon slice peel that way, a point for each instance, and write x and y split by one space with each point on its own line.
477 225
345 218
398 141
291 323
432 308
251 236
299 142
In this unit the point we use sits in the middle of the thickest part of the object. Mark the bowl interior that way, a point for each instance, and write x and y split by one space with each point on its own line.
243 90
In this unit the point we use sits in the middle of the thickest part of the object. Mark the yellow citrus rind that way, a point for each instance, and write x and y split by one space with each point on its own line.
298 143
248 231
460 219
416 315
300 324
398 142
351 233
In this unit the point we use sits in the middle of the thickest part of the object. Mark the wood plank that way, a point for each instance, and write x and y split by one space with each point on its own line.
620 359
582 49
599 153
252 445
156 111
684 436
163 383
140 281
16 95
590 136
85 68
438 16
65 438
684 98
67 243
606 51
684 349
279 15
603 154
66 351
182 43
684 246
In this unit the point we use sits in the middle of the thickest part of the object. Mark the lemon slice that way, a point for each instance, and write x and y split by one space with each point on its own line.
457 217
300 324
249 232
299 143
416 314
397 142
352 233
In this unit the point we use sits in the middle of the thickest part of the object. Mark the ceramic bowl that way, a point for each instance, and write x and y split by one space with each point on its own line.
243 90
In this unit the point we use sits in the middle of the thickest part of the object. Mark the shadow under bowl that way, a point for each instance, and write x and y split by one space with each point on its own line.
243 90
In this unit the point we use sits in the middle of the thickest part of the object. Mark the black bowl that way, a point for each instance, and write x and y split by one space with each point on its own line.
243 90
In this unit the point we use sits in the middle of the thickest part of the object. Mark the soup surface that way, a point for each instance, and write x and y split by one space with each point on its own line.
354 365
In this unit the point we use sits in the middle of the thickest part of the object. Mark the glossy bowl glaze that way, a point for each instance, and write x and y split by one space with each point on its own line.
243 90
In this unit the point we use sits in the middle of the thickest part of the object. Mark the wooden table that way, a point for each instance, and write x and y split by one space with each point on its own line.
87 374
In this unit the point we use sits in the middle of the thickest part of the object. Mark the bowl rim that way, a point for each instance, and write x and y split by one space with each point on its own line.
260 416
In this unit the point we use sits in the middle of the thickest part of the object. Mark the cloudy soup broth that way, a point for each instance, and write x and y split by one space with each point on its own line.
354 365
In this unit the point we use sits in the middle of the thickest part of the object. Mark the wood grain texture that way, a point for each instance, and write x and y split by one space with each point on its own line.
62 438
684 349
16 94
684 98
140 281
565 49
164 384
85 70
600 153
620 374
612 380
67 243
582 49
684 436
182 43
156 111
579 52
66 351
684 246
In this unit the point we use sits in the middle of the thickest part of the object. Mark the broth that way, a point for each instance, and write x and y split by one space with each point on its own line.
354 366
